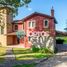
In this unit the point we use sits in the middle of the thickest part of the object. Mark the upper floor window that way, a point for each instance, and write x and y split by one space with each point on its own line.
45 24
32 24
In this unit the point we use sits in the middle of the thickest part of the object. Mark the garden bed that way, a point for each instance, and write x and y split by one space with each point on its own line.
27 54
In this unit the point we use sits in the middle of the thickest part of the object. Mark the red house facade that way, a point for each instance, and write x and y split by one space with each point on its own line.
36 24
39 29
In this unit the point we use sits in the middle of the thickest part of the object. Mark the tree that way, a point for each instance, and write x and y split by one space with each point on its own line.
20 34
65 27
14 4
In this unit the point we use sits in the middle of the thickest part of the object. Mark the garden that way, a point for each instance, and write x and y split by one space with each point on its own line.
27 54
31 54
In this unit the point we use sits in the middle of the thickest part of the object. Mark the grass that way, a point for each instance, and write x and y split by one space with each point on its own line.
27 54
30 56
1 60
25 65
2 53
64 38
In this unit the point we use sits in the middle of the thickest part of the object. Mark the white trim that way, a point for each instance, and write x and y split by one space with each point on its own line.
47 23
32 23
30 38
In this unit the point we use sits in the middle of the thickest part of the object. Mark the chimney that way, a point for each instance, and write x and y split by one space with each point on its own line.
52 12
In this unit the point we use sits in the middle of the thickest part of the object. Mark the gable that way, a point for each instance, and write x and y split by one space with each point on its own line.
36 14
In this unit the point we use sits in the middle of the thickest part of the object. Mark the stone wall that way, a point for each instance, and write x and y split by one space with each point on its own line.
3 40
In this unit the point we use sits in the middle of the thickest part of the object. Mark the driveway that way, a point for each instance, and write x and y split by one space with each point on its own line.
59 60
61 47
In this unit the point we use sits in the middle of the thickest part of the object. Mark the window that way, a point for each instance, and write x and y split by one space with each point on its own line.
16 27
32 24
45 23
41 39
29 38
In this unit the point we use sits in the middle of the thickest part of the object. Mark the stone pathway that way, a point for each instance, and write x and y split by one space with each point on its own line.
59 60
9 58
62 47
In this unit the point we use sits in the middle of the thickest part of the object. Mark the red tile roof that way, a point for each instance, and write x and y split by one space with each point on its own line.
35 13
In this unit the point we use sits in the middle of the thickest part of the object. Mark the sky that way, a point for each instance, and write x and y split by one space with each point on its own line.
44 6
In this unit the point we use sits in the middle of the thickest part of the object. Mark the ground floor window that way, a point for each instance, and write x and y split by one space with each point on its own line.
29 38
41 39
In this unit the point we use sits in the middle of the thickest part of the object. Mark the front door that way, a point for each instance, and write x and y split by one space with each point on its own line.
15 40
18 40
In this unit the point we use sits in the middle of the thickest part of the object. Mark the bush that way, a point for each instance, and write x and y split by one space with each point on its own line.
35 49
59 41
41 50
46 50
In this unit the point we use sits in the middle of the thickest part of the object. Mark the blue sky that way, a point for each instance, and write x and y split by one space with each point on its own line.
44 6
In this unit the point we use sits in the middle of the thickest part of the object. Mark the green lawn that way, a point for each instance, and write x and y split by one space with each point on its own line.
64 38
2 54
27 54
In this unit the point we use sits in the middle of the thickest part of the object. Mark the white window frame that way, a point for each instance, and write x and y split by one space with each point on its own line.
47 23
30 38
32 24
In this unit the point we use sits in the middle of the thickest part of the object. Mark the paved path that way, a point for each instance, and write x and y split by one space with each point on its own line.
9 58
61 47
59 60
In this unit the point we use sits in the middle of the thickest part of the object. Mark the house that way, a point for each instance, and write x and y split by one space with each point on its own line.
39 29
61 33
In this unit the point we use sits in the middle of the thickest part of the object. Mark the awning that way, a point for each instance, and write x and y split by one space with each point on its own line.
13 33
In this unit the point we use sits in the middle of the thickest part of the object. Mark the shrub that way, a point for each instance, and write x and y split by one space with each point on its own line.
35 49
46 50
59 41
